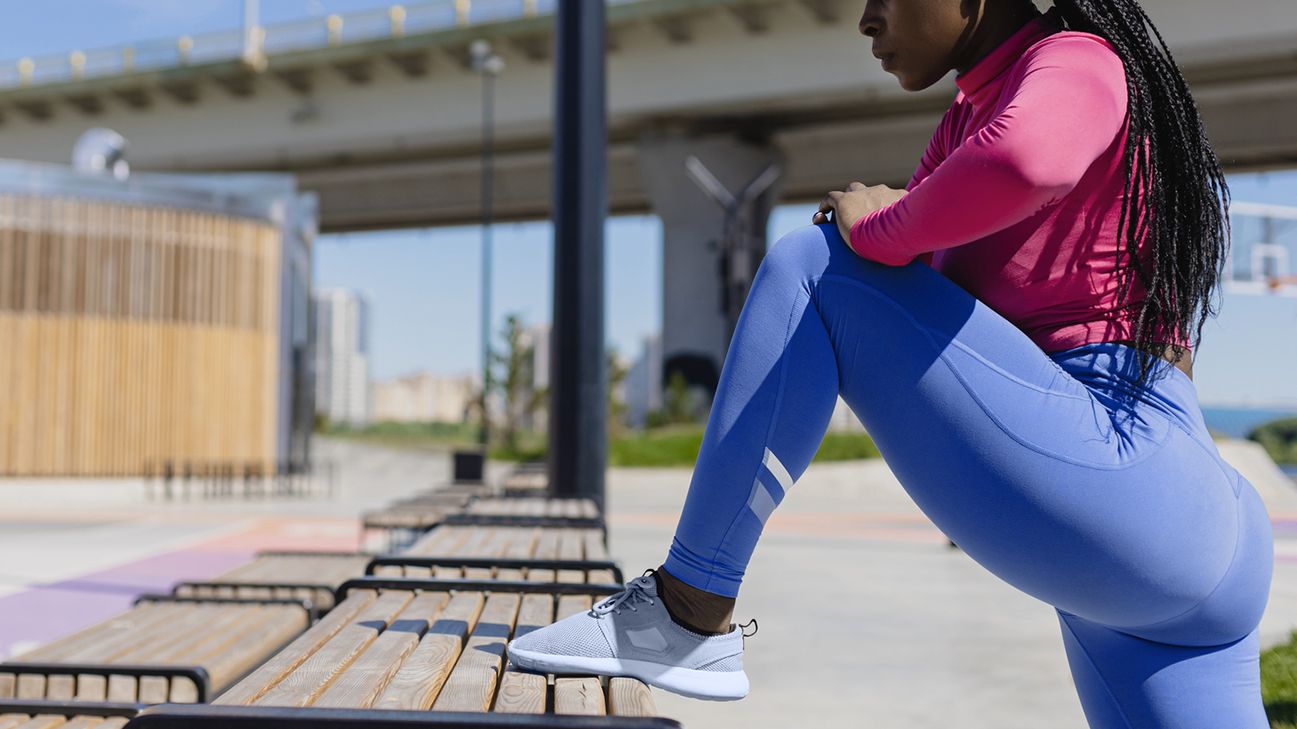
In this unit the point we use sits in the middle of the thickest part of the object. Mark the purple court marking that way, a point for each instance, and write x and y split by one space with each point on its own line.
53 610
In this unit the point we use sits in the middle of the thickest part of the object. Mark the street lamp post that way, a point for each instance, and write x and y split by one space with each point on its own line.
488 64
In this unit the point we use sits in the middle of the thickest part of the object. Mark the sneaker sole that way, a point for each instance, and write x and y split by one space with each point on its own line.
695 684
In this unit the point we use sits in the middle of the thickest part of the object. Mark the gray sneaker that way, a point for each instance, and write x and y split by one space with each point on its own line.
631 634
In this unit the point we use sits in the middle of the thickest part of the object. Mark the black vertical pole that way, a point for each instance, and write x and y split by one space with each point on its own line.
488 144
578 380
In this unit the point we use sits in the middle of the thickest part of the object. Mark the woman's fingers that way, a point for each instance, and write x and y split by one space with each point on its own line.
827 205
857 186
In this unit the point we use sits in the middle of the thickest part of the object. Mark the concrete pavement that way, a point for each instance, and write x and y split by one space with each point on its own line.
865 616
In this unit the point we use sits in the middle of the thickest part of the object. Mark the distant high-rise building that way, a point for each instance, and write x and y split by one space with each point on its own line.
643 384
537 337
342 356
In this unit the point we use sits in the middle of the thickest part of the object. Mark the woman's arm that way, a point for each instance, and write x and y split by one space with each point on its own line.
1067 109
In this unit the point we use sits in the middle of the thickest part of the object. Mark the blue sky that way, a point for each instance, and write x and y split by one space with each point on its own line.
423 285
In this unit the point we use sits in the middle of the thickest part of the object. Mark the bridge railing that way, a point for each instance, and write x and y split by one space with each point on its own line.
302 35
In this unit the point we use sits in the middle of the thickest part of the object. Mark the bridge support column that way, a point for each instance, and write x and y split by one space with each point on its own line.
696 327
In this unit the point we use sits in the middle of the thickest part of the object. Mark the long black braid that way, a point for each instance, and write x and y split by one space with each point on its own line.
1181 178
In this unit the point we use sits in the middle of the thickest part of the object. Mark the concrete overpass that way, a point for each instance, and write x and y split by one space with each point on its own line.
379 113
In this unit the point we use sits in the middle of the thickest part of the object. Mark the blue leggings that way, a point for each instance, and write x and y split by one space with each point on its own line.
1106 501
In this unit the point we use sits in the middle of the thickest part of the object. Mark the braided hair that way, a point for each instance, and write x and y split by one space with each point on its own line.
1175 166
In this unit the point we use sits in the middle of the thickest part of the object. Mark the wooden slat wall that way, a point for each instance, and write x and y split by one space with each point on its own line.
132 335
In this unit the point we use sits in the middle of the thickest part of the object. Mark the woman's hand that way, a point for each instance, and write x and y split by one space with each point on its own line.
858 201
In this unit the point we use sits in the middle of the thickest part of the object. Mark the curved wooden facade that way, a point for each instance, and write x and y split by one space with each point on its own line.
133 335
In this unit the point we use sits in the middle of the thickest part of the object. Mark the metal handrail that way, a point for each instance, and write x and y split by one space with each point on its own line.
280 38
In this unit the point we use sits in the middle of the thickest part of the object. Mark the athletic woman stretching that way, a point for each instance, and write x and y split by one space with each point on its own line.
1032 397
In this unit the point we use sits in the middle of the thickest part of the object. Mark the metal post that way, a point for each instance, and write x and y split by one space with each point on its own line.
489 65
485 435
578 377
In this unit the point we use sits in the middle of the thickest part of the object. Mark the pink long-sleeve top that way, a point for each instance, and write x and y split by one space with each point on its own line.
1018 196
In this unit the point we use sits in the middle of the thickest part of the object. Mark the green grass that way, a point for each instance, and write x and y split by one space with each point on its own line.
410 436
671 445
1279 683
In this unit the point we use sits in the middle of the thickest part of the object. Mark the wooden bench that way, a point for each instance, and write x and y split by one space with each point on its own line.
438 645
164 649
426 632
312 576
418 513
535 542
535 506
529 478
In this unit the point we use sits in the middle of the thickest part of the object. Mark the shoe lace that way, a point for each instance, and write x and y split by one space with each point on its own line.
635 592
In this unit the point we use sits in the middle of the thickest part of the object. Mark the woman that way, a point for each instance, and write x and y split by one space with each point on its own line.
1012 330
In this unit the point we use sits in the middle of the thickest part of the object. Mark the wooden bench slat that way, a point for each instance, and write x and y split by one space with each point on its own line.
630 697
251 649
361 683
272 671
177 632
471 685
31 686
92 688
522 543
212 637
583 695
421 677
521 692
60 687
42 722
594 547
123 689
313 676
83 722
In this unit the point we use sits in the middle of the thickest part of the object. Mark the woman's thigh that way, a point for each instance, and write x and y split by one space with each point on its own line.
1125 682
1130 523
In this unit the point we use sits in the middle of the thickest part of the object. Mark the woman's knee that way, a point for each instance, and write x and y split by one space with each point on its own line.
802 252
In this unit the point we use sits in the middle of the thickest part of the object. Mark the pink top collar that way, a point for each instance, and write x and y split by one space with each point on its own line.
979 83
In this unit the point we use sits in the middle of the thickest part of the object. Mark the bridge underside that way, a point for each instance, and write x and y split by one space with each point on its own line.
386 127
1252 127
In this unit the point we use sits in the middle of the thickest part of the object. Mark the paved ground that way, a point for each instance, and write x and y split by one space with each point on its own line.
866 616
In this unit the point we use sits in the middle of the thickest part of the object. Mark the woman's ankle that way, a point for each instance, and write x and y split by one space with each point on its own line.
698 610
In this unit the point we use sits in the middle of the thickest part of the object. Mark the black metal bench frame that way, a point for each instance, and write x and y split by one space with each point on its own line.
445 585
190 716
312 613
396 560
